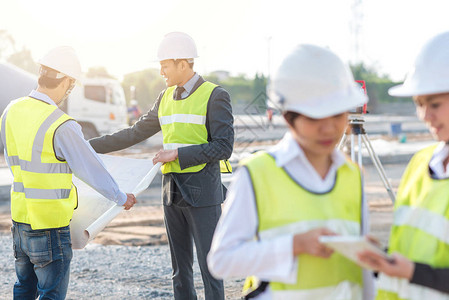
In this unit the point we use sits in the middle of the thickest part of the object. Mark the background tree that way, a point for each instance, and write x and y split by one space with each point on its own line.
376 85
148 84
24 60
239 88
7 44
99 71
260 92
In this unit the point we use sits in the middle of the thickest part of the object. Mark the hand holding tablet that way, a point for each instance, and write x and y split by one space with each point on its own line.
352 246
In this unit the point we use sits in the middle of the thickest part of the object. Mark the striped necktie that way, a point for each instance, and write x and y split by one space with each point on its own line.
178 91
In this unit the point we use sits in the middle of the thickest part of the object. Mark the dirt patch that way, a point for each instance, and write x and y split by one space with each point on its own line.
141 226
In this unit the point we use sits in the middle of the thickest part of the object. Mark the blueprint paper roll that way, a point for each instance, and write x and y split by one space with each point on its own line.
147 180
96 227
94 211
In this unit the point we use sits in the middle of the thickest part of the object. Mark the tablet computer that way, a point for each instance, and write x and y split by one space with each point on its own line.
349 246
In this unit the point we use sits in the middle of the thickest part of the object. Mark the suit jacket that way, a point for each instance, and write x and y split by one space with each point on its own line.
199 189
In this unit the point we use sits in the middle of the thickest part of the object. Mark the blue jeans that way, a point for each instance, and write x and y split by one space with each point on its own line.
42 262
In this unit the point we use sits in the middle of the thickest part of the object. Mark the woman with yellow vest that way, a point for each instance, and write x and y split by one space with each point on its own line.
281 201
419 240
43 147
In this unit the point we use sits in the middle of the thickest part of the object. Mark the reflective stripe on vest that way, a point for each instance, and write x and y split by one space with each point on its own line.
38 167
345 290
182 118
42 193
183 123
424 220
420 228
284 207
225 165
343 227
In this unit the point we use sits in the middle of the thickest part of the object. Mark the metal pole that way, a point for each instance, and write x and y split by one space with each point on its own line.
380 169
360 150
352 147
342 141
356 128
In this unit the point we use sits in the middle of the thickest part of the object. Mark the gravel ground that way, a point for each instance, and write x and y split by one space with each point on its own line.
113 272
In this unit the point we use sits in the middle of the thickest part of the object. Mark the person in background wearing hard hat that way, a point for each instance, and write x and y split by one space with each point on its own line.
43 146
419 239
133 111
281 201
196 120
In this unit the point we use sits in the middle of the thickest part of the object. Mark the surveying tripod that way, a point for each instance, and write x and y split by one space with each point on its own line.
355 129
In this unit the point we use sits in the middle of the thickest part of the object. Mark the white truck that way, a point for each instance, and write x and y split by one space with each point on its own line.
98 105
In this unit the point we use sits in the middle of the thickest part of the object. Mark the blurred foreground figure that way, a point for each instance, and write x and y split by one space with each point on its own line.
419 237
281 201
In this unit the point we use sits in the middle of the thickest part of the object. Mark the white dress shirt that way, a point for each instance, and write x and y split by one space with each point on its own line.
235 252
82 159
436 163
188 86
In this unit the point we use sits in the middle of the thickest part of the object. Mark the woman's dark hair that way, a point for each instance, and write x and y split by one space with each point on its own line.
290 117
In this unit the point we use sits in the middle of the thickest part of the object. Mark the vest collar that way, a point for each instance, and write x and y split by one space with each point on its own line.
41 96
437 161
288 149
191 83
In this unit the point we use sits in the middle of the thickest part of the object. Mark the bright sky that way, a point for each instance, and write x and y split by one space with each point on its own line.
240 36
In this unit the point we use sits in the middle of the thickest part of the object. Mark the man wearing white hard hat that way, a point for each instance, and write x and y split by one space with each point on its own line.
281 201
43 147
196 120
419 239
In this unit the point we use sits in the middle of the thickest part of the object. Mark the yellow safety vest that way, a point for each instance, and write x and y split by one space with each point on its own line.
183 123
420 229
42 193
283 206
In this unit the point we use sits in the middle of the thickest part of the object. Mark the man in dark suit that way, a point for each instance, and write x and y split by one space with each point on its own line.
196 120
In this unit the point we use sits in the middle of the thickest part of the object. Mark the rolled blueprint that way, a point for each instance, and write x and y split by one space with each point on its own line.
96 227
95 212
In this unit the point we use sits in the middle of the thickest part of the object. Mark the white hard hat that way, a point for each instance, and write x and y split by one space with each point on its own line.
177 45
64 60
430 73
314 82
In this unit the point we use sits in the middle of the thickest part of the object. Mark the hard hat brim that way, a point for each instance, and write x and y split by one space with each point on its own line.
405 90
167 58
330 105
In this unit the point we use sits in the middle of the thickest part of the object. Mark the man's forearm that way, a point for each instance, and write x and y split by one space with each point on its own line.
205 153
145 127
433 278
116 141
